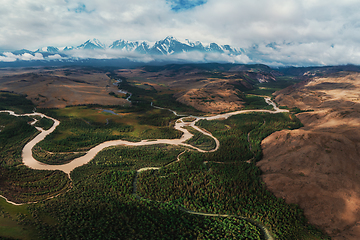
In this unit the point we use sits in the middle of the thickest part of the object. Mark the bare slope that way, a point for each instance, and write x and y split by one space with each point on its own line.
318 166
61 87
207 90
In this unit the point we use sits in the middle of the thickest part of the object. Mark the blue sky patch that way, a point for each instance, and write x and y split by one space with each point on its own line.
80 8
181 5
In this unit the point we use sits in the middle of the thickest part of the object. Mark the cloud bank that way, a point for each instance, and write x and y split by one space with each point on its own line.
280 31
106 54
10 57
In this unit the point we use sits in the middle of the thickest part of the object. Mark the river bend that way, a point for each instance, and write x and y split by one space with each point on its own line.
32 163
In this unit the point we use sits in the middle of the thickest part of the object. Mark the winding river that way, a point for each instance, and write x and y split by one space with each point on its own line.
32 163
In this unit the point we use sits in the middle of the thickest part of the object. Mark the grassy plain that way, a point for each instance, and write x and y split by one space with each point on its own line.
255 102
268 88
10 216
83 127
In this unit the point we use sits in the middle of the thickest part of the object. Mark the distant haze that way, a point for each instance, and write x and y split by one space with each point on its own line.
275 32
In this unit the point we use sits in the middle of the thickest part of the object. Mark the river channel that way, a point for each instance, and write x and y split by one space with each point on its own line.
32 163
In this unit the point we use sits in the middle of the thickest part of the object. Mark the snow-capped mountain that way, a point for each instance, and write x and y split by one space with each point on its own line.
125 45
92 44
119 49
48 49
22 51
170 45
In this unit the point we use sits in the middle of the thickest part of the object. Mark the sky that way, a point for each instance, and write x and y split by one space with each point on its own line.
288 32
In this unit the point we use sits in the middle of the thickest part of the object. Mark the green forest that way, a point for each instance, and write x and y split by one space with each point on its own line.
108 199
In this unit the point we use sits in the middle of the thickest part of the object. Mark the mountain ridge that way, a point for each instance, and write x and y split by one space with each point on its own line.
136 53
166 46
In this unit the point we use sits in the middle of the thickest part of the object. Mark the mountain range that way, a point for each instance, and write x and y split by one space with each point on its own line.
168 50
167 46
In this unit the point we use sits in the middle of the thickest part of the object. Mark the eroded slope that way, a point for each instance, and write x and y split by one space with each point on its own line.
318 166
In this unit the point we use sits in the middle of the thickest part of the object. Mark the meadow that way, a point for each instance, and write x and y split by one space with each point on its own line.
268 88
10 217
83 127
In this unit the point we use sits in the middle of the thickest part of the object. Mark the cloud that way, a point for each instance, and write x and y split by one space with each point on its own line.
193 56
10 57
55 57
293 25
28 57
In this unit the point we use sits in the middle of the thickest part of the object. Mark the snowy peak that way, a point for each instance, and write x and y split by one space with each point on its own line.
141 47
92 44
171 45
166 46
48 49
120 44
66 48
215 48
22 51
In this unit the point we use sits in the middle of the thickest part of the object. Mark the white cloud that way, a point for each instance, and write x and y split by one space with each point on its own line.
55 57
137 57
311 26
27 57
10 57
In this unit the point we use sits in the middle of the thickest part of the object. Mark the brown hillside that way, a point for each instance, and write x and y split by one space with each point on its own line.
61 87
318 166
194 87
207 91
